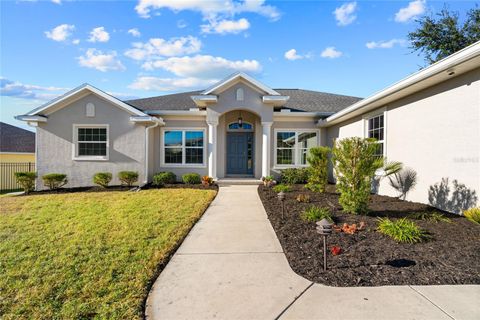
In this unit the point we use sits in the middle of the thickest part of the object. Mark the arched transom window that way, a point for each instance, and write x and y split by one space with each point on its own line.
237 126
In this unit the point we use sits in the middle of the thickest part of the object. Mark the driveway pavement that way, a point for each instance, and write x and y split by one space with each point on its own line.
231 266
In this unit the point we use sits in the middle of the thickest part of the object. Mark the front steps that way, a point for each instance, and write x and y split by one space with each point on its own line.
238 181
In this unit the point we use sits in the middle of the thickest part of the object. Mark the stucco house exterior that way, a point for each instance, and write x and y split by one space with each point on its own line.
240 127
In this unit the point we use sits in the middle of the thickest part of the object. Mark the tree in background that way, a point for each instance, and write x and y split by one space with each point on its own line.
437 38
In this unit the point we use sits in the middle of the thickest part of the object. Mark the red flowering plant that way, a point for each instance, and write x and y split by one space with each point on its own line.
336 250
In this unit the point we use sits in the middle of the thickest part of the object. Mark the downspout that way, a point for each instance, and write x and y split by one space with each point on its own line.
147 134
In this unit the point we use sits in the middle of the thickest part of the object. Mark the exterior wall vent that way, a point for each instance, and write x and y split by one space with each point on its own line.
90 110
240 94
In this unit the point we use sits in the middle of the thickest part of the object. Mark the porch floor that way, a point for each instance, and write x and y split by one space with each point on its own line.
229 181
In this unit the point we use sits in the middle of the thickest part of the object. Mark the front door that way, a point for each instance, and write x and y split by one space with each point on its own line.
240 153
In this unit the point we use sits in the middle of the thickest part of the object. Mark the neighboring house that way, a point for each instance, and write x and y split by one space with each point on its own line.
242 128
16 144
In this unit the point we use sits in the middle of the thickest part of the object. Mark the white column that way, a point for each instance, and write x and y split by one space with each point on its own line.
266 129
212 148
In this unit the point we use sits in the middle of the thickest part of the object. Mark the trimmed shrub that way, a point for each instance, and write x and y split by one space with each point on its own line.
163 178
355 162
191 178
102 179
282 187
294 176
473 215
314 214
26 180
318 161
128 178
402 230
54 181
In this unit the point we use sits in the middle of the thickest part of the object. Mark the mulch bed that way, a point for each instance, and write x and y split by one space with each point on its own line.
368 257
121 188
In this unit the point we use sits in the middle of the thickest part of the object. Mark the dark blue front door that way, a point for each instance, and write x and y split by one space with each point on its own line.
240 153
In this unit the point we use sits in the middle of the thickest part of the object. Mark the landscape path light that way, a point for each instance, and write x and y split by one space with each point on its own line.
281 197
324 228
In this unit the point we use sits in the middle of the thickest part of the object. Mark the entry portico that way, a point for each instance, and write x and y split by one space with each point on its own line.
243 108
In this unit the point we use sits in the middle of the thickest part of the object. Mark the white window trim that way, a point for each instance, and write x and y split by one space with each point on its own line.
297 131
75 155
373 114
183 164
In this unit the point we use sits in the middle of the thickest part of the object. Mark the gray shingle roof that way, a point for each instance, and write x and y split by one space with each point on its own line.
300 100
14 139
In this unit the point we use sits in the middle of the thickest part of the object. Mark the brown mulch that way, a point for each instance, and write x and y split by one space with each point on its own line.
369 258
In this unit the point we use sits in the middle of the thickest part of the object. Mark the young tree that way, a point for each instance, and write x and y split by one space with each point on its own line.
355 162
318 171
437 38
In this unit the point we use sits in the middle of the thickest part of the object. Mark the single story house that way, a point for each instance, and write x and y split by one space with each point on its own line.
240 127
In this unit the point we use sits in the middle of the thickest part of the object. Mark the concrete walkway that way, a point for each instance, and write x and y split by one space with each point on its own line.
231 266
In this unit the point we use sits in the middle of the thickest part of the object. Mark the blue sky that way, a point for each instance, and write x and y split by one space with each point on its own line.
152 47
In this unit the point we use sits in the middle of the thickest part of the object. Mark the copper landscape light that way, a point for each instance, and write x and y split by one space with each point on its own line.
324 228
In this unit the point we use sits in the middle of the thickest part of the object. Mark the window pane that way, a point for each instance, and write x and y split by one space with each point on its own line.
303 156
307 139
285 156
285 139
233 126
92 149
379 151
92 134
381 121
173 138
194 155
194 139
173 155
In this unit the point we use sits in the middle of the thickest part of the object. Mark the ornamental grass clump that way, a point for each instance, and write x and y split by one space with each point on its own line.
54 181
355 161
313 214
402 230
282 187
128 178
318 171
429 216
473 215
26 180
102 179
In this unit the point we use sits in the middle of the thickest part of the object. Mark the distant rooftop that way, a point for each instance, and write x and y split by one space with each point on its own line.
14 139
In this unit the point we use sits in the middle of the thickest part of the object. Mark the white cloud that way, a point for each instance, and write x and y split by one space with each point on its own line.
99 35
331 52
346 13
76 41
170 84
226 26
157 47
209 9
61 32
292 55
57 1
203 66
96 59
27 91
414 9
134 32
385 44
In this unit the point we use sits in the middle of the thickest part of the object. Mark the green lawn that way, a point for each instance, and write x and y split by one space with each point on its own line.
89 255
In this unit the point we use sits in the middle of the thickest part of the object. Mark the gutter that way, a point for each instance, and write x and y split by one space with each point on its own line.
176 112
157 122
